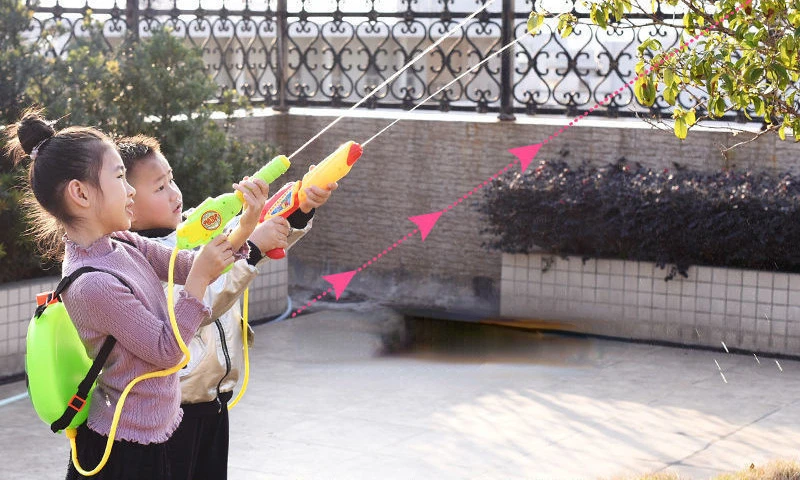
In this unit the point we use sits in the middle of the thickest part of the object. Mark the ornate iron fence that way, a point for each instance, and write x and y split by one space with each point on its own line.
306 56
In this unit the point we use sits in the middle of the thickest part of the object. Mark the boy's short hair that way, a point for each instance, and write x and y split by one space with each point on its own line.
136 148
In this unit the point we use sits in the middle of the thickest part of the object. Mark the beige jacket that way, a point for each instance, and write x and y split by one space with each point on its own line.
216 350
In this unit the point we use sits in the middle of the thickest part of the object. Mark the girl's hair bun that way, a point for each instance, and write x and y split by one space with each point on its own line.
32 130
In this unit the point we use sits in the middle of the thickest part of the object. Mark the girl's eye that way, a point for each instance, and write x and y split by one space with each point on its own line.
160 188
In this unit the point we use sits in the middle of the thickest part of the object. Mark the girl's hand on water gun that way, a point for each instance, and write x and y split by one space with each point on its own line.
271 234
255 193
316 196
212 259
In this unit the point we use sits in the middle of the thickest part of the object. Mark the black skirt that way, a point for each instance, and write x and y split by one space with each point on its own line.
128 460
198 450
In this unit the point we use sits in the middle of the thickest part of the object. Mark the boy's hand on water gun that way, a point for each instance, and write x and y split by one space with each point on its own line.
316 196
271 234
255 193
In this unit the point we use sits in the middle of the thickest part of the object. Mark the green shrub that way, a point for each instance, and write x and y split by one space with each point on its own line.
156 86
19 63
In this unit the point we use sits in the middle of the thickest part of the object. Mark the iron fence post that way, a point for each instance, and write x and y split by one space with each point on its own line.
132 19
506 67
281 54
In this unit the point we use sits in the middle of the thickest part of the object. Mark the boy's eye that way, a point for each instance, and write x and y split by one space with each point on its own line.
160 188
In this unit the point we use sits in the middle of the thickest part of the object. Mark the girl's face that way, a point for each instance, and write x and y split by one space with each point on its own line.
114 207
158 200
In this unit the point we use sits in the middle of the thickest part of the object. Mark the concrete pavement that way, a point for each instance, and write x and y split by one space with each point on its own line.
326 402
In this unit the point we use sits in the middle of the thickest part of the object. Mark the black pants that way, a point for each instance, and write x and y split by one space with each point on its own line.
128 460
198 449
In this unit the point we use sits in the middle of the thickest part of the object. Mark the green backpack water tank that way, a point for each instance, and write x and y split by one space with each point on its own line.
55 364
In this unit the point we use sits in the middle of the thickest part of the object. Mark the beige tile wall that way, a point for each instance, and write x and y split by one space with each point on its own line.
749 310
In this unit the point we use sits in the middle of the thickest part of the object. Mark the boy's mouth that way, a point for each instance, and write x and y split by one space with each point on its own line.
178 208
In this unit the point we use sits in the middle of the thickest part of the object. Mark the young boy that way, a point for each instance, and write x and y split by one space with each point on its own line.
199 447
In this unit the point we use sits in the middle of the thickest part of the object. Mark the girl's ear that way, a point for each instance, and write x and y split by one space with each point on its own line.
78 193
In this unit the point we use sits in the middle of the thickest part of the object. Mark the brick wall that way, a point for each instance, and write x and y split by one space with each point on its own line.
426 162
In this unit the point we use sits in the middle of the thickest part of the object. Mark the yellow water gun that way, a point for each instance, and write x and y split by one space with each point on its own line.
288 199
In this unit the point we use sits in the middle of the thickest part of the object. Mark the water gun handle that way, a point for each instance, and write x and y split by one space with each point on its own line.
282 204
332 169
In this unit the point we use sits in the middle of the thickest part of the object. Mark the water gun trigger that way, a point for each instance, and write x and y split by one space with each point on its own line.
282 204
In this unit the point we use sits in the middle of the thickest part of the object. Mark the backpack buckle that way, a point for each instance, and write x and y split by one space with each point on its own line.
76 403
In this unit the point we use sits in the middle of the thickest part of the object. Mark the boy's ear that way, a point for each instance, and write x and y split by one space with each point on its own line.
78 193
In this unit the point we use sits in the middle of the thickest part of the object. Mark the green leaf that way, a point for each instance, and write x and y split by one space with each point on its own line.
721 106
566 22
671 94
599 16
650 91
782 132
780 74
681 130
753 74
649 44
716 106
669 76
758 106
535 21
638 89
690 117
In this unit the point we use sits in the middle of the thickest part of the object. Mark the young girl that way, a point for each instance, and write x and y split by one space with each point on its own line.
78 180
199 448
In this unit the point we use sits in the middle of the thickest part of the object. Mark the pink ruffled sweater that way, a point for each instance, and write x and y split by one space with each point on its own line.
100 305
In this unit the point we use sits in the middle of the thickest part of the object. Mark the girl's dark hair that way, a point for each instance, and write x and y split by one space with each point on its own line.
74 153
136 148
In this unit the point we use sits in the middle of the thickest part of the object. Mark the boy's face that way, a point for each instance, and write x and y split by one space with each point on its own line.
158 200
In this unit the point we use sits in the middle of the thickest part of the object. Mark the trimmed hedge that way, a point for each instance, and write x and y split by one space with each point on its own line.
672 217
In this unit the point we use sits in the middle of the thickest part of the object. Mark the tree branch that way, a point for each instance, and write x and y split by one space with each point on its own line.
708 18
724 151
